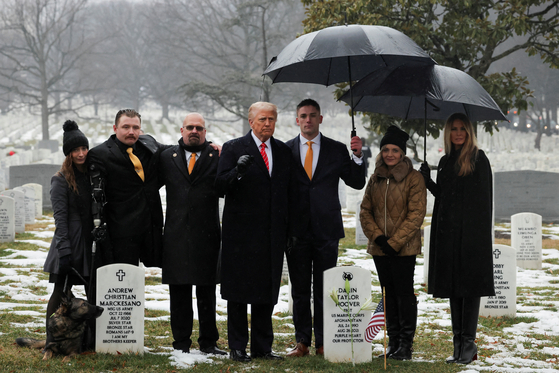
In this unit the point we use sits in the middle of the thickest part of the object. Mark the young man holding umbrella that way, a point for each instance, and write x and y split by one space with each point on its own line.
315 220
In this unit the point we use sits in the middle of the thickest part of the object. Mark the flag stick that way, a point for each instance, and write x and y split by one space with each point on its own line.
384 307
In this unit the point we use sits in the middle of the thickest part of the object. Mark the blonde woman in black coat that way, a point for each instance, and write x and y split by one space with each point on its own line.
70 194
460 257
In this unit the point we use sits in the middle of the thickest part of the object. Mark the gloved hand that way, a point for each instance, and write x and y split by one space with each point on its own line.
64 264
381 240
243 163
425 172
388 250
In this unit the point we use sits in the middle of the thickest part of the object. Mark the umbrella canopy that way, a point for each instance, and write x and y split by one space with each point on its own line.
342 54
432 92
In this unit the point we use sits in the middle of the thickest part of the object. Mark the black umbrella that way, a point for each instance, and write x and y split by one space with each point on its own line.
343 54
428 92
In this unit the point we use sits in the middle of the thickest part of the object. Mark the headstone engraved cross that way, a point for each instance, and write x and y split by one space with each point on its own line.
120 291
337 330
504 277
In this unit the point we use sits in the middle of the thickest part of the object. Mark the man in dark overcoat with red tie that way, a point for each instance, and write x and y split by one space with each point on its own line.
253 174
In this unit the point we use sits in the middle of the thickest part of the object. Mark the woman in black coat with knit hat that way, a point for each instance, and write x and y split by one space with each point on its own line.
70 194
460 257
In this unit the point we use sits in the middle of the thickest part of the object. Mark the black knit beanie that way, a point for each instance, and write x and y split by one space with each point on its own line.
395 136
73 137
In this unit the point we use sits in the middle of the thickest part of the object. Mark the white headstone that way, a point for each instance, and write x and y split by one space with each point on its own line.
353 198
19 208
29 203
120 291
285 270
504 276
337 331
426 242
360 238
7 219
38 198
526 238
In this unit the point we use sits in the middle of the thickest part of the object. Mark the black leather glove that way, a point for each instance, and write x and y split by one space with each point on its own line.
425 172
243 163
381 240
388 250
64 264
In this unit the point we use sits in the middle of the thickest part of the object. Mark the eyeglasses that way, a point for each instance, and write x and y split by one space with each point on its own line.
191 128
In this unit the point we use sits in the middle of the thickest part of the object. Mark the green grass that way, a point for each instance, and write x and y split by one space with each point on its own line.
432 343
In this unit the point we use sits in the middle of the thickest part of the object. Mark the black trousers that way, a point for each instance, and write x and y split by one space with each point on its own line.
307 260
395 274
261 329
182 315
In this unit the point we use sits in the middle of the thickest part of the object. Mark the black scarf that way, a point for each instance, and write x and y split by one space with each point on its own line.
195 148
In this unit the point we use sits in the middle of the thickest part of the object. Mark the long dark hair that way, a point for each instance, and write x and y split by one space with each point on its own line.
67 172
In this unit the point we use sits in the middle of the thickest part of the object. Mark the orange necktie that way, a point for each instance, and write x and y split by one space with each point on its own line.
136 162
308 160
191 163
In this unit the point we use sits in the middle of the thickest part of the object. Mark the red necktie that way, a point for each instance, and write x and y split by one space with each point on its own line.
264 155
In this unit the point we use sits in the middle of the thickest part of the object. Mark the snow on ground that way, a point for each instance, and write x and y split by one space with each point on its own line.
507 150
510 353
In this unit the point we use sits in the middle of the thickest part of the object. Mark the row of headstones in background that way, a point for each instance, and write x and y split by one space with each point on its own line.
37 174
19 206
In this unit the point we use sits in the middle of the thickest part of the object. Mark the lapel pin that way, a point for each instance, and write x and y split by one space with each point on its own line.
174 154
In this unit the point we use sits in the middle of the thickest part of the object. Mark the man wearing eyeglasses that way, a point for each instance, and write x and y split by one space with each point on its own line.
192 234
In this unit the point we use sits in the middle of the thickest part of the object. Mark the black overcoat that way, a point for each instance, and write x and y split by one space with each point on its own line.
133 206
460 256
192 233
74 223
254 223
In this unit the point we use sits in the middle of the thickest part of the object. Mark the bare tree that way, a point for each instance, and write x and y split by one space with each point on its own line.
42 41
226 44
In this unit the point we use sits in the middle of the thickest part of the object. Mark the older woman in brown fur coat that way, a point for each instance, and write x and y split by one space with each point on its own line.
391 215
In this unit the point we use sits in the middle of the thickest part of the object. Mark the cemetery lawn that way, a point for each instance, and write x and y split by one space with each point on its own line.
527 342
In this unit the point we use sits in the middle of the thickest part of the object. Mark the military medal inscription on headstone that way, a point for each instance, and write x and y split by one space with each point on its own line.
338 331
120 291
504 278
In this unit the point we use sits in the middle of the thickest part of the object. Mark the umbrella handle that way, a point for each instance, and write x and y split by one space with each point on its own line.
353 134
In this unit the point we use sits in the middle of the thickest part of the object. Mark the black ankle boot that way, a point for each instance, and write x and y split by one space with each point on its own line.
470 314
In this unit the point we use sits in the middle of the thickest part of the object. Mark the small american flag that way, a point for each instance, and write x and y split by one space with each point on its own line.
376 323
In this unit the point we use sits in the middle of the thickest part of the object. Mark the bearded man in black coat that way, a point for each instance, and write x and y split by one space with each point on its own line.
133 211
253 174
192 234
